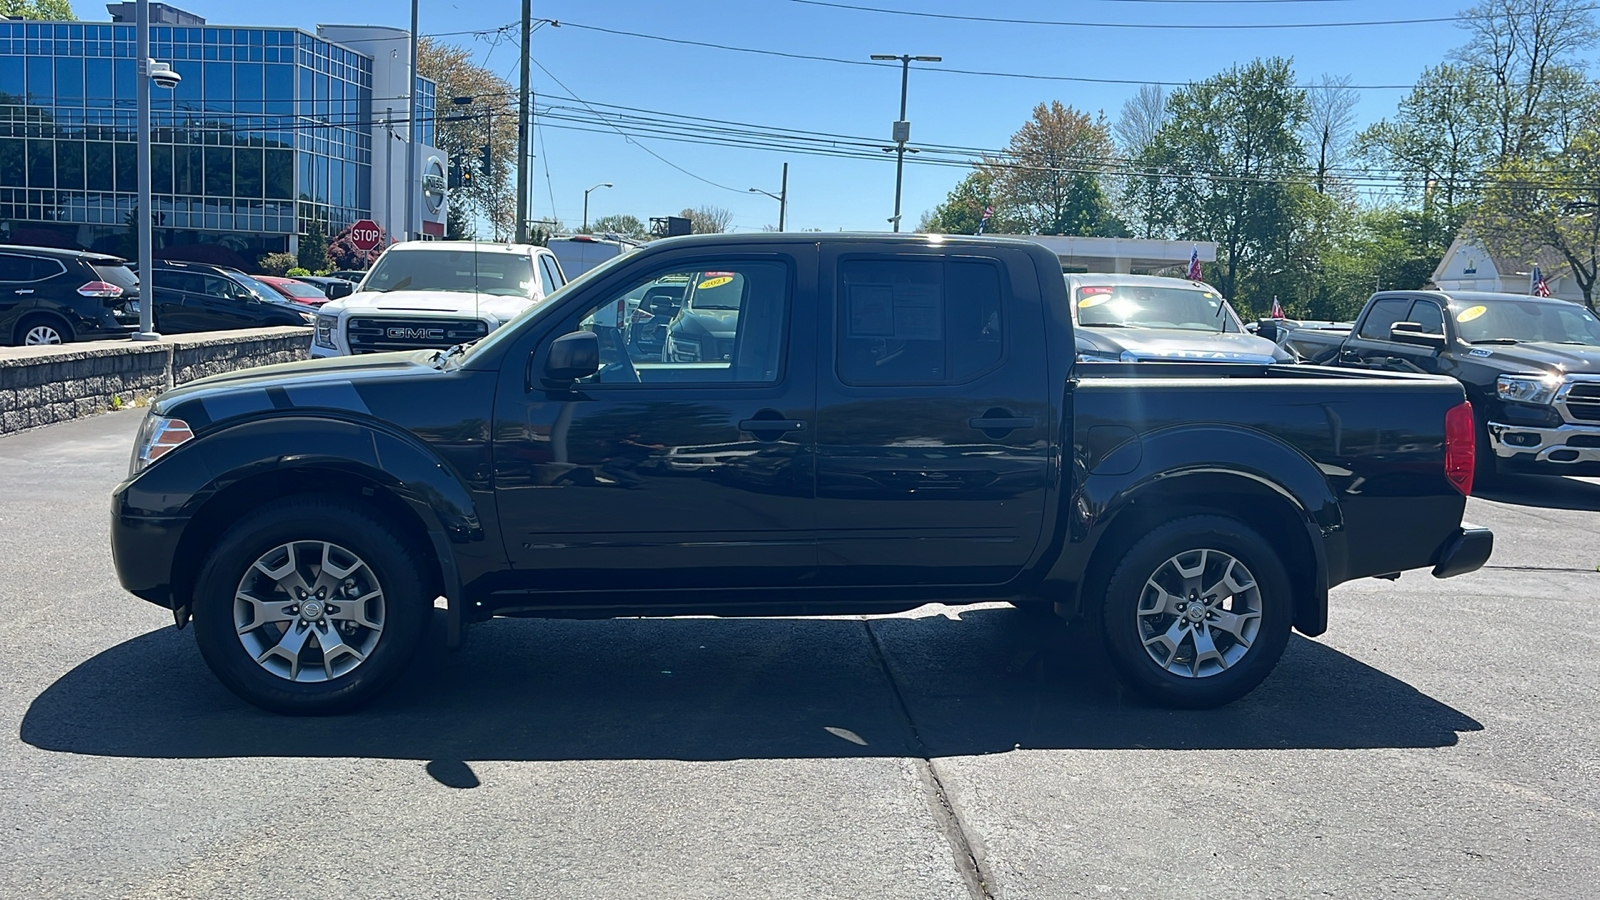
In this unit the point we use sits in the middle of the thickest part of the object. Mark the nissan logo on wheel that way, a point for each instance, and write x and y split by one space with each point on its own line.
416 334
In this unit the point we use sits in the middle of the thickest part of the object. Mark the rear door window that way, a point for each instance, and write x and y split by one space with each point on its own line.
15 268
918 321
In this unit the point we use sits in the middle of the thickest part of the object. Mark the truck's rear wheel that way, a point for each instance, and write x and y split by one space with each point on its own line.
309 606
1197 613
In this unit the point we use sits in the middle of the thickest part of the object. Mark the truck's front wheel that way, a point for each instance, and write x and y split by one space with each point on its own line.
309 606
1197 612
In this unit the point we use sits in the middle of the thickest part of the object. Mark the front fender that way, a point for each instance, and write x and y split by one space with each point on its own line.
180 501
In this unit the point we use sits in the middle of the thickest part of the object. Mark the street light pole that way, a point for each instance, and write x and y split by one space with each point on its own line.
902 128
147 70
603 184
782 196
524 149
411 133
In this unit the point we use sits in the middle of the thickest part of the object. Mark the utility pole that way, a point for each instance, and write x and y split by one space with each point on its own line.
146 234
902 128
411 134
524 111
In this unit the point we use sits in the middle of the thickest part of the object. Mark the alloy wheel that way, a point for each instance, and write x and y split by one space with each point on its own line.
309 611
40 335
1199 613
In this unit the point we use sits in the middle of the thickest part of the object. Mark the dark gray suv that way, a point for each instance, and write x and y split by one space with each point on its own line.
50 296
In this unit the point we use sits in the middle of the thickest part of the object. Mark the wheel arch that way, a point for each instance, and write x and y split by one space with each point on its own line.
1271 510
27 319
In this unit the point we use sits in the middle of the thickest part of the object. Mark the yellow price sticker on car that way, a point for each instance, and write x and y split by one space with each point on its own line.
1467 315
714 282
1096 300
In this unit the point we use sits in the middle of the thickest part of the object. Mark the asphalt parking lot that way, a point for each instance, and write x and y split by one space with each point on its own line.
1442 739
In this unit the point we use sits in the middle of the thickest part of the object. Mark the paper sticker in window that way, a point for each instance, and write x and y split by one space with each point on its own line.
1470 313
871 310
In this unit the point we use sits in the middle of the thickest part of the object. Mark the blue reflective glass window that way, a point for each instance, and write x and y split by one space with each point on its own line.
124 87
278 82
127 168
247 172
97 81
189 89
69 79
13 76
13 161
249 81
41 79
307 175
219 171
98 166
161 168
219 82
279 174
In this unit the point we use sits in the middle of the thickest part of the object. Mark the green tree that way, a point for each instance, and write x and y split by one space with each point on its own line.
1549 201
457 225
961 212
313 250
1523 49
621 225
1141 119
1226 167
490 119
44 10
1440 140
1049 180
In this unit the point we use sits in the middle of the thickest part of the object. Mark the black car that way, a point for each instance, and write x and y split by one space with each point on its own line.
50 296
192 297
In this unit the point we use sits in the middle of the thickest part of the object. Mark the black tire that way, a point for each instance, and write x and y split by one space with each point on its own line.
60 329
404 610
1123 628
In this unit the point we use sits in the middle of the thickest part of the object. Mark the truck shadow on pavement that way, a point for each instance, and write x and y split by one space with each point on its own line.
995 680
1542 491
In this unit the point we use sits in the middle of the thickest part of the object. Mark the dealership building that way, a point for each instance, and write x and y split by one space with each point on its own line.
269 130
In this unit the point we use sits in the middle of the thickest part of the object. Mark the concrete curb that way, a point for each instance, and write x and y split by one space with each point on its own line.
43 385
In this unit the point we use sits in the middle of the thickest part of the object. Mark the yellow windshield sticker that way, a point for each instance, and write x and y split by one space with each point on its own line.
1470 313
714 282
1095 300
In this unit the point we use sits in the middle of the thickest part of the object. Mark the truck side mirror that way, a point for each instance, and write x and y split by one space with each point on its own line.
572 356
1268 329
1413 334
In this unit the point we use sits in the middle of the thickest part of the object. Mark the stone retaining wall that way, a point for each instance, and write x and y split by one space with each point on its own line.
41 385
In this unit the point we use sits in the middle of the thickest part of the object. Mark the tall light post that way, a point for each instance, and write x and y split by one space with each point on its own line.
782 196
902 128
603 184
411 133
148 70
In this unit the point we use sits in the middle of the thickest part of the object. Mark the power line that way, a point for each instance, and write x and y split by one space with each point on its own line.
1173 26
944 69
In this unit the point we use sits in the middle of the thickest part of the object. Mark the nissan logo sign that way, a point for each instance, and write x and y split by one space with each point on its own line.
416 334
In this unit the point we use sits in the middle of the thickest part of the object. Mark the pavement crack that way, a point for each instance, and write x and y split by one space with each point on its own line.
965 858
1569 569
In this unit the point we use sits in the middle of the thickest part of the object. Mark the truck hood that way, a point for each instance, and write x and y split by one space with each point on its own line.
439 303
1175 343
1555 358
313 383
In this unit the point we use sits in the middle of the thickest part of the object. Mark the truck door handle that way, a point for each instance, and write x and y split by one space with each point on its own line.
24 292
770 427
998 424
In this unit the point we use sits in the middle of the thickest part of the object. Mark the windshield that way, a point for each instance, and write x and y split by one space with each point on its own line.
300 289
716 290
497 274
261 289
1525 321
509 330
1145 306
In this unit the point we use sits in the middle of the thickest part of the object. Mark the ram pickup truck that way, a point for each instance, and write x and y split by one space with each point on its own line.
1529 365
899 419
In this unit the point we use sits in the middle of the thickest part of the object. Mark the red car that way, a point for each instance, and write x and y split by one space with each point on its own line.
298 291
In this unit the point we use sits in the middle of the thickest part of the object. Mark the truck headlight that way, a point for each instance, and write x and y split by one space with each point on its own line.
1537 389
158 436
325 328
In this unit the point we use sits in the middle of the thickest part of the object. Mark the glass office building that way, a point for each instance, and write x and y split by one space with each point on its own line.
269 130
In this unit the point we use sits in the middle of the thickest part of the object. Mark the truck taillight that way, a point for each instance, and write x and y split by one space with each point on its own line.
1460 447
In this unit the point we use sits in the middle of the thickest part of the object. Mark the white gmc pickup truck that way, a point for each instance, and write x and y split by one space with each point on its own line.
436 294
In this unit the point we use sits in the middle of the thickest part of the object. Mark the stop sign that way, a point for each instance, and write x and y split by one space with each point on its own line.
366 234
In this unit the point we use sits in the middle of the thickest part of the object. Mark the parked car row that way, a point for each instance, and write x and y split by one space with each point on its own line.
51 296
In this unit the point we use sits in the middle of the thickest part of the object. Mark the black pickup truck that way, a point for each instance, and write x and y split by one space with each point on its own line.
897 420
1530 367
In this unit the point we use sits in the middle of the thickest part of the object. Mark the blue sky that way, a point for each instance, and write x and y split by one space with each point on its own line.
965 110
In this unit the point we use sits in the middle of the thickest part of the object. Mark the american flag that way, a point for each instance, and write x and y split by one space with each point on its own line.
1541 287
1277 310
988 213
1194 265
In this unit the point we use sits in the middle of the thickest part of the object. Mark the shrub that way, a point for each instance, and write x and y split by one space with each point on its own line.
276 263
296 272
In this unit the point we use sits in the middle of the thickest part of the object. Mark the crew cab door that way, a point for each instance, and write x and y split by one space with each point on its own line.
655 475
933 453
1369 345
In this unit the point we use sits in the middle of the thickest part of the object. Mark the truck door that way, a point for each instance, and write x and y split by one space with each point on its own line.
1369 343
933 451
668 475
